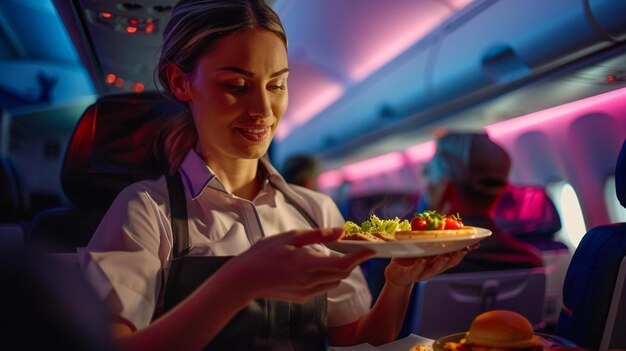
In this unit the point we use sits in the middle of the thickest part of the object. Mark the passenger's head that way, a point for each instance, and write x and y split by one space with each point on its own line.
301 170
226 60
468 169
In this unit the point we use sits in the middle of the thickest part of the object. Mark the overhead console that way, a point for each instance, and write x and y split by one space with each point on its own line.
118 41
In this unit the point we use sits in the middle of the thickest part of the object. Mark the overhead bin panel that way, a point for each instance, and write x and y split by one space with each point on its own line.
378 102
500 42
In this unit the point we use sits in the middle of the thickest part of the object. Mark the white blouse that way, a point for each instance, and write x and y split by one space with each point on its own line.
128 257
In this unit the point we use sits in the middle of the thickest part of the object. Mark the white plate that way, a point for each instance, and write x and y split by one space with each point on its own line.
428 246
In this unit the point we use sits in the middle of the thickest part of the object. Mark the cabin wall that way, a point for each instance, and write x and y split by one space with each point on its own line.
577 143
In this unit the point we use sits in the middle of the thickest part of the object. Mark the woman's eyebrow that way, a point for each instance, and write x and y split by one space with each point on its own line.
250 74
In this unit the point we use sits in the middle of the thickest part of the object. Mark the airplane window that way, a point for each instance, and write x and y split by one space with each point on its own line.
573 223
617 213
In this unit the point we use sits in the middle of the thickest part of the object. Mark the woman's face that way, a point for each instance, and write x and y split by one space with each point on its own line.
238 93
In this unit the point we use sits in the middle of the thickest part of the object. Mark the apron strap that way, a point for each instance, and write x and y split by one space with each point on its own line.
178 209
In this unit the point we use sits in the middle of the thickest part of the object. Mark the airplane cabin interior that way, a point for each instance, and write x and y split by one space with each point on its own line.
371 83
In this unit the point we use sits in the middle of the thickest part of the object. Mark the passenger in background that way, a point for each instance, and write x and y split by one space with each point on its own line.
467 175
301 170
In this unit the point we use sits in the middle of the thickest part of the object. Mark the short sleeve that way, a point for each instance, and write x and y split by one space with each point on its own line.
124 259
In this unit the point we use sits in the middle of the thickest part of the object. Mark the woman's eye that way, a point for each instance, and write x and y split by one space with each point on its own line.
277 87
236 87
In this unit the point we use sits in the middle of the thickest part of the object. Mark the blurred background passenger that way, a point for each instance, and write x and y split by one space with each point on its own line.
301 170
467 175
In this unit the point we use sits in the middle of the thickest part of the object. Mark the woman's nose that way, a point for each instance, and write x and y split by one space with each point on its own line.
260 104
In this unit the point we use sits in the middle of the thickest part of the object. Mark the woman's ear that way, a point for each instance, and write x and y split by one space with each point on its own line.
179 82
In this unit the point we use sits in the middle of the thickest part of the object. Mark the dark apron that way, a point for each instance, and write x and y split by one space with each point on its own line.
264 324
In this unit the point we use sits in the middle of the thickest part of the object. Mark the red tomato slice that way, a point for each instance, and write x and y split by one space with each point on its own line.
418 223
452 223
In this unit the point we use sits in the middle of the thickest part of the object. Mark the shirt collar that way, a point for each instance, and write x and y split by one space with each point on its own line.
198 175
195 173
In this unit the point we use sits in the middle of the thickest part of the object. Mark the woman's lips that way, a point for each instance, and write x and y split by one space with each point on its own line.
255 134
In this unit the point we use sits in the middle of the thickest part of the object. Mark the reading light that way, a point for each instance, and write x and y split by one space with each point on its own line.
110 78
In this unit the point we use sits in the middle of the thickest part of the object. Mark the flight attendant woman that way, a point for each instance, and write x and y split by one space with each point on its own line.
249 246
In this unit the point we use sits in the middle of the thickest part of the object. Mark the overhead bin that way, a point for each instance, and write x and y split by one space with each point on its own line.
378 102
488 47
500 42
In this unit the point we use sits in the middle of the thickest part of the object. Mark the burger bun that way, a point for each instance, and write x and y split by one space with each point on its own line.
502 329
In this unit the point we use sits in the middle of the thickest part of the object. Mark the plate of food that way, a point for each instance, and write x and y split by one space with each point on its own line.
502 330
426 234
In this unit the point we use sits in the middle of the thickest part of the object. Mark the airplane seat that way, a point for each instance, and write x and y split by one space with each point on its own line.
592 274
14 194
14 204
528 213
448 303
111 147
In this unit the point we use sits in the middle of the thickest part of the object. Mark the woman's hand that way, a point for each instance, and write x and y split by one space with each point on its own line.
282 267
406 271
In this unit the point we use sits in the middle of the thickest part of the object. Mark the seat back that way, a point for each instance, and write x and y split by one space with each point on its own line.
14 204
592 275
14 194
448 303
528 213
112 146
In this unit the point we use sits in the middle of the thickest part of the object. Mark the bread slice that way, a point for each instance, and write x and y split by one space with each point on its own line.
361 236
422 234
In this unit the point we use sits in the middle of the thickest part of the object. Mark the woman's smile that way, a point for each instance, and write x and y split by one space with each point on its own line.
255 134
